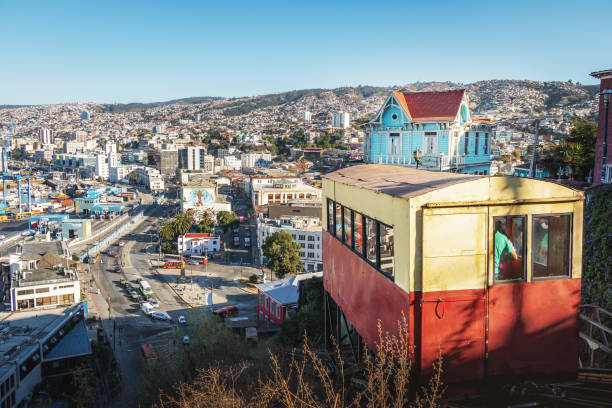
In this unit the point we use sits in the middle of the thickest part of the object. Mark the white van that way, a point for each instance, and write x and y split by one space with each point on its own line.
147 308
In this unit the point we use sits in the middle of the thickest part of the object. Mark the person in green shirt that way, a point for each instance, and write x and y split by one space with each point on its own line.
502 246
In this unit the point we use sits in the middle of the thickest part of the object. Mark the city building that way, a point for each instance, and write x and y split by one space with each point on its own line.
45 344
430 130
190 158
149 177
307 116
34 287
198 244
275 299
465 259
283 191
79 136
252 160
102 166
199 194
167 162
341 120
85 115
45 136
304 225
604 132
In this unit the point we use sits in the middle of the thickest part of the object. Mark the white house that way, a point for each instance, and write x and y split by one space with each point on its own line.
198 244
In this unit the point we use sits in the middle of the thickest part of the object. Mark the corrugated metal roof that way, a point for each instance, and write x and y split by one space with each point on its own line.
74 343
397 181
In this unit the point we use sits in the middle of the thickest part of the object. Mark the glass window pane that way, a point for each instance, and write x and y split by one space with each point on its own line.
330 216
347 236
551 246
338 226
509 248
357 231
386 249
371 240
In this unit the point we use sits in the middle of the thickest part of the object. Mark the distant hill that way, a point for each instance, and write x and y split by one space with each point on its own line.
138 107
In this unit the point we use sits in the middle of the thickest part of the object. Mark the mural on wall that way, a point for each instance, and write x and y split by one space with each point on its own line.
198 199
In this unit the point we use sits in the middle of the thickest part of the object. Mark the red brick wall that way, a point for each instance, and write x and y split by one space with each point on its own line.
605 84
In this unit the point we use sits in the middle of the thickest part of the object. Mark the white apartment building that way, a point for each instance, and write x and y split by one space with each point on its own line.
41 288
307 117
45 136
231 163
306 231
73 146
198 244
150 177
341 120
118 173
284 191
189 158
79 136
208 163
110 147
252 160
101 167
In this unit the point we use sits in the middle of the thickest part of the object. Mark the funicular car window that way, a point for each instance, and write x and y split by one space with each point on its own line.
338 223
509 248
330 216
551 244
357 232
347 235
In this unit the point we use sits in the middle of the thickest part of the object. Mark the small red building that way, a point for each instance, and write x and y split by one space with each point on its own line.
605 118
276 297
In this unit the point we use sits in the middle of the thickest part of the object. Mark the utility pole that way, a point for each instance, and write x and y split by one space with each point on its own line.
535 146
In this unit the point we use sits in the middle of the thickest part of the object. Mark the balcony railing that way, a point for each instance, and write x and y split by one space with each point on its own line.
428 161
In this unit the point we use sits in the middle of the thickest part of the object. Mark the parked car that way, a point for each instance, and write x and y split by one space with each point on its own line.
182 320
2 236
154 302
121 243
151 219
115 255
122 281
185 340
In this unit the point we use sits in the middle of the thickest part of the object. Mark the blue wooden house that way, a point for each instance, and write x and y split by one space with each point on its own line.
434 130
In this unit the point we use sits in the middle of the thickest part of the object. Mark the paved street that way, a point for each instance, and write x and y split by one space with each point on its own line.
129 327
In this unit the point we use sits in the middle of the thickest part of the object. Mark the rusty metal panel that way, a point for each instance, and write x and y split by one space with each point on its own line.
533 327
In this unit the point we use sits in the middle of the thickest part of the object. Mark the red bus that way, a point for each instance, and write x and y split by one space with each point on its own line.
174 264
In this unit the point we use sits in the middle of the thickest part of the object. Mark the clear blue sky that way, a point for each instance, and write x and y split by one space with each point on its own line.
144 51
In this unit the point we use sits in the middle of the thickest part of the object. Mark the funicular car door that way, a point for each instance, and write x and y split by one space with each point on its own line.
454 265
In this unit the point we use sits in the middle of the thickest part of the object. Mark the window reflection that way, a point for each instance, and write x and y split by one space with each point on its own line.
347 236
386 249
509 247
338 226
357 231
551 246
371 240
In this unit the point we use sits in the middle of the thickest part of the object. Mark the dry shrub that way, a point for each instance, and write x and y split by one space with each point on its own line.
305 380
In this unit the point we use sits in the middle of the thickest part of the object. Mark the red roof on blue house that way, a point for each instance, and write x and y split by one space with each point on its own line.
431 105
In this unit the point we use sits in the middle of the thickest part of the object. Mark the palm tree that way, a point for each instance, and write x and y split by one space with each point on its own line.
182 224
167 232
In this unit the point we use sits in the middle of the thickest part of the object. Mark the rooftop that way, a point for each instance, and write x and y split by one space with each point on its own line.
601 74
45 275
285 291
198 235
431 105
397 181
22 330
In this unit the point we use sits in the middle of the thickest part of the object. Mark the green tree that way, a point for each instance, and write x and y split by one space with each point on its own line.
133 177
283 254
100 179
206 224
582 138
182 224
167 231
226 219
